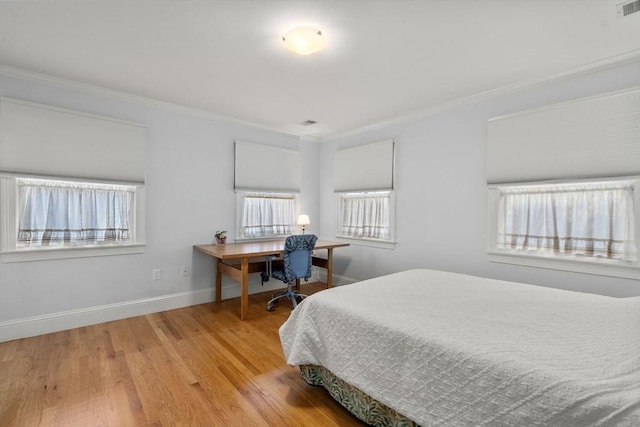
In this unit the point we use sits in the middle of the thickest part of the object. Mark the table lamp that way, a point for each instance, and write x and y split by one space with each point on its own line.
303 220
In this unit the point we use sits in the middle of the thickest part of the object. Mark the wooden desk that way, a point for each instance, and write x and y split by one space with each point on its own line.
248 254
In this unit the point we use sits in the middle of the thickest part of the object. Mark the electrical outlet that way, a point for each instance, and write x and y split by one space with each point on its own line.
155 274
186 271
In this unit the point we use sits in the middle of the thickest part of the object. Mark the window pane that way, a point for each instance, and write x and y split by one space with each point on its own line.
58 213
267 215
593 220
365 215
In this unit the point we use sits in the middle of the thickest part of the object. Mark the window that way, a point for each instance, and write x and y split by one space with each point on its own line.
47 214
581 221
365 215
265 215
47 218
363 183
58 213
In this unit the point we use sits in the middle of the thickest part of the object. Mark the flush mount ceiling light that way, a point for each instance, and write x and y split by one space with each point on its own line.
304 40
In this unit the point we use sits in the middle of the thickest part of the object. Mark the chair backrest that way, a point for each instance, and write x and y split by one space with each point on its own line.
297 256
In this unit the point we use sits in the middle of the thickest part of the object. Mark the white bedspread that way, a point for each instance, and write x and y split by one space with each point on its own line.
451 349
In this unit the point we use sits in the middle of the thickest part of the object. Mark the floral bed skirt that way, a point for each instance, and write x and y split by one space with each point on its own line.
355 401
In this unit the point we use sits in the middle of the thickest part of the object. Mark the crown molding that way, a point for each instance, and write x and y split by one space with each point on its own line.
603 64
19 73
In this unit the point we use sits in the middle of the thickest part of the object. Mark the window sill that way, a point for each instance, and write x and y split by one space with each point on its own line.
626 271
39 254
372 243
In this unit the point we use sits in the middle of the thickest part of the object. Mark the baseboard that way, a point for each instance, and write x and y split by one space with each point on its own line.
38 325
61 321
231 288
338 280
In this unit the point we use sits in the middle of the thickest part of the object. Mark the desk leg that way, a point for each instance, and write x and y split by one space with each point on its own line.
218 281
329 268
244 282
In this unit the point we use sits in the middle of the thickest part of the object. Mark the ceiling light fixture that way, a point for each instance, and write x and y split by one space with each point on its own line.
304 40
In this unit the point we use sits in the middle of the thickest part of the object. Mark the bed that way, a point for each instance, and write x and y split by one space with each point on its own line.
426 347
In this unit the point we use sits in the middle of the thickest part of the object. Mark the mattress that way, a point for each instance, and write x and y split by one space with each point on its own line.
450 349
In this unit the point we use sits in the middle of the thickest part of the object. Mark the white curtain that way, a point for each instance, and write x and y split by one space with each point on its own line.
266 215
587 220
365 215
55 213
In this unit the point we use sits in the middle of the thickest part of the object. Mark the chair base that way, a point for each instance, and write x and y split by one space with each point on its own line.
294 296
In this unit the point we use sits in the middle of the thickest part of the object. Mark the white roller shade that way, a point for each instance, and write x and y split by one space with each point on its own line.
365 168
263 167
592 137
42 140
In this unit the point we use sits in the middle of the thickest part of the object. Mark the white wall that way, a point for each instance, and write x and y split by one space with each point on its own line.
441 214
189 194
441 207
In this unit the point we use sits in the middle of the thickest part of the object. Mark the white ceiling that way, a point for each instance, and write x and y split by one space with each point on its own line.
384 59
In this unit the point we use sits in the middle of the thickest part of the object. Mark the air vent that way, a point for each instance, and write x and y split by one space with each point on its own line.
628 7
313 122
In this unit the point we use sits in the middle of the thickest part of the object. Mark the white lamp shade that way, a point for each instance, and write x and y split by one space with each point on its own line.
304 40
303 220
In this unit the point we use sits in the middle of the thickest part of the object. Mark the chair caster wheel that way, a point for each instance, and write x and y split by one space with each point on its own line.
270 307
299 299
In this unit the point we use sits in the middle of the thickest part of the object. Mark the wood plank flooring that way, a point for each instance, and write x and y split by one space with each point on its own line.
194 366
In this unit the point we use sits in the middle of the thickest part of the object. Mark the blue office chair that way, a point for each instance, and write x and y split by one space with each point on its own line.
296 260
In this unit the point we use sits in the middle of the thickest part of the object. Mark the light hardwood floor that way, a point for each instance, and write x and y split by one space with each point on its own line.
194 366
